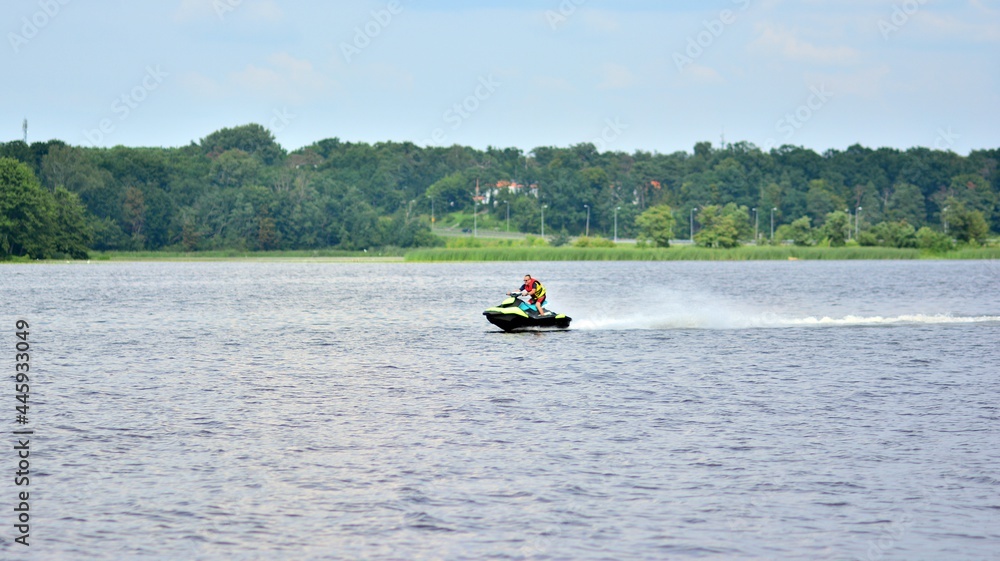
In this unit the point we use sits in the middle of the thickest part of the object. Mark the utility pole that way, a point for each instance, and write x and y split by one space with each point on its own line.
755 213
24 127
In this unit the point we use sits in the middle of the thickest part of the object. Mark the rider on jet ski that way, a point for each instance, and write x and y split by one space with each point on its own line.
533 288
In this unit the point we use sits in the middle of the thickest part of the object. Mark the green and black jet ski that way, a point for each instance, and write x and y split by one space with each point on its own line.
513 314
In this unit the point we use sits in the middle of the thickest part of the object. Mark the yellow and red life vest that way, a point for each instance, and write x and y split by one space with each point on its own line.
536 285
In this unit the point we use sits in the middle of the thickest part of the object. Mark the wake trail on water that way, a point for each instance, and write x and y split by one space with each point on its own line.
694 315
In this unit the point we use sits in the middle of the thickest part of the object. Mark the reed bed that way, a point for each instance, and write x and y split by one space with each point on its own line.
234 254
973 253
503 252
660 254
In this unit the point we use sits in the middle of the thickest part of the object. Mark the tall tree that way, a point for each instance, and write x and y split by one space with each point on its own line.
252 139
907 203
656 224
836 228
34 222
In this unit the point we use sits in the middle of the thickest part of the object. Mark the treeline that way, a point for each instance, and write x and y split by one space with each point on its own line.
238 189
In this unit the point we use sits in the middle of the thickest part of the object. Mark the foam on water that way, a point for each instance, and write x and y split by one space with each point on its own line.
699 312
880 320
694 320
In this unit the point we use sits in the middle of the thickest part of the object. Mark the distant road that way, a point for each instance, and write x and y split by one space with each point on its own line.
467 232
501 234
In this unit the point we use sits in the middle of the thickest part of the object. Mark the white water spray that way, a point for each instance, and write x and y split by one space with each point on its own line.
694 312
695 320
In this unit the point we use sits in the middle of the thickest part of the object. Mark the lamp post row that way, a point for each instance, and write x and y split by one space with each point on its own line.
756 220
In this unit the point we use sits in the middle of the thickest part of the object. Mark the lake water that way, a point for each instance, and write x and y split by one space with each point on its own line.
759 410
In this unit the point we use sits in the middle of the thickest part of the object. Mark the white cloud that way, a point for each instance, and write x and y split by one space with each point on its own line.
615 77
985 8
390 76
952 28
265 10
190 10
699 74
282 78
256 10
784 43
601 21
553 84
202 86
867 83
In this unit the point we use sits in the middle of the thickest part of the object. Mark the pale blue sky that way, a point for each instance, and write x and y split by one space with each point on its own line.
627 75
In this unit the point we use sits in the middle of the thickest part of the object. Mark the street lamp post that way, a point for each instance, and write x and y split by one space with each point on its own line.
755 225
508 216
587 231
944 218
772 222
692 223
617 208
857 221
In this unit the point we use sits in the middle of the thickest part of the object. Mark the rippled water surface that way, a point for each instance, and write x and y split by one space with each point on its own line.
775 410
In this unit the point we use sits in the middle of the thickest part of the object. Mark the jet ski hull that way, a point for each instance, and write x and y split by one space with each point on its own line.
513 315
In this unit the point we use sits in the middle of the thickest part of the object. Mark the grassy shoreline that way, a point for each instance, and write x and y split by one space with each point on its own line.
310 256
538 253
747 253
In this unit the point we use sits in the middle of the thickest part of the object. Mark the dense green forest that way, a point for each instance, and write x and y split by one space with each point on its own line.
238 189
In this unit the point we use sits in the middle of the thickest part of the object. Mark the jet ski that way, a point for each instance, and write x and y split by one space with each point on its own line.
514 313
